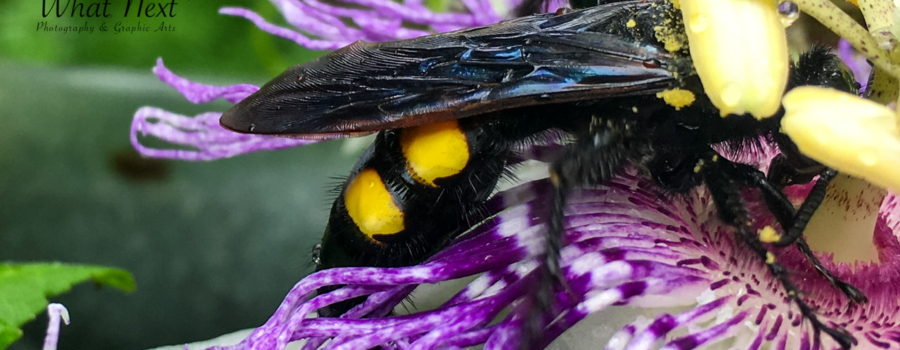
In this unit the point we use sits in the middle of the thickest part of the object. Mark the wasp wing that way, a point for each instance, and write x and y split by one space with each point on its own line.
534 60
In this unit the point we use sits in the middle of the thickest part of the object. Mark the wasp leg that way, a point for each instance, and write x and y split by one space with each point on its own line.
780 206
594 158
794 234
723 181
807 209
854 294
791 167
794 222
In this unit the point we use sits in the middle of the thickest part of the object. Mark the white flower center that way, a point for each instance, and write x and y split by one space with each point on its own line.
844 225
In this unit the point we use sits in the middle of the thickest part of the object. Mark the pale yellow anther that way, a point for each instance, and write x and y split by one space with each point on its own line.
739 49
845 132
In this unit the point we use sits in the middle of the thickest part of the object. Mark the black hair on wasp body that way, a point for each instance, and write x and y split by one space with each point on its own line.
449 110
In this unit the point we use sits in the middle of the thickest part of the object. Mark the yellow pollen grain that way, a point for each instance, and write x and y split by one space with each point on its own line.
673 40
631 23
768 235
371 206
770 258
555 179
677 98
434 151
698 167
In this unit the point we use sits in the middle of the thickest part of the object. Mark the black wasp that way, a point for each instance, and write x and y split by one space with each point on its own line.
449 110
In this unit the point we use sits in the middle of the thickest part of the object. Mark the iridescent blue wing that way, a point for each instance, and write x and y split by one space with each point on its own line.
535 60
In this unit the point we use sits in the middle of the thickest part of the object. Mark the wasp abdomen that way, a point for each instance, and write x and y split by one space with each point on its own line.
413 190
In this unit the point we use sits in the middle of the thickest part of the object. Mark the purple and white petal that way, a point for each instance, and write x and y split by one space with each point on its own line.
629 243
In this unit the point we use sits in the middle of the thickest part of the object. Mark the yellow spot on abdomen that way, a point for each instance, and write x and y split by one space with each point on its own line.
678 98
371 206
434 151
631 23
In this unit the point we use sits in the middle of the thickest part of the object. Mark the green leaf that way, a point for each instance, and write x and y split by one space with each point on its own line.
437 5
24 289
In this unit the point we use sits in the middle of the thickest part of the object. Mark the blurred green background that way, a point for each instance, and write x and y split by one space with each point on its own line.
214 246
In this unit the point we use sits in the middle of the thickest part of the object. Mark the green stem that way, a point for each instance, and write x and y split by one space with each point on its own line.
879 15
844 26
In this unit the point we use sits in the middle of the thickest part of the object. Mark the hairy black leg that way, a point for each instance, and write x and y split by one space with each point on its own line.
595 157
794 234
789 219
795 227
807 209
719 175
549 272
854 294
776 201
790 167
555 229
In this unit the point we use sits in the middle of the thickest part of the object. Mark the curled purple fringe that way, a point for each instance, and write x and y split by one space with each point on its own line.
202 93
201 135
324 26
55 312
